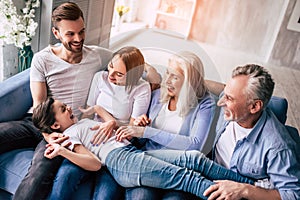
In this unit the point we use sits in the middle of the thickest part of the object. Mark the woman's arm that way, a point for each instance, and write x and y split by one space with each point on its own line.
81 156
103 114
194 130
192 135
141 102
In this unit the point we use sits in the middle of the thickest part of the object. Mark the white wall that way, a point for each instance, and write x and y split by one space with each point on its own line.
146 12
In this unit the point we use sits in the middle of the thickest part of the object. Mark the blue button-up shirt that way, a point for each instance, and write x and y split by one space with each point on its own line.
269 152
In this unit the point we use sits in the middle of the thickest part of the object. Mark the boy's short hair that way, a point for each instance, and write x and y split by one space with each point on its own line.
43 116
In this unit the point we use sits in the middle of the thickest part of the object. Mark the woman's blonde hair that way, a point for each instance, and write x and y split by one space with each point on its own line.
193 88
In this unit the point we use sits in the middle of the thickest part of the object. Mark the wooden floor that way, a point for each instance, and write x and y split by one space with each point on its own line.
223 62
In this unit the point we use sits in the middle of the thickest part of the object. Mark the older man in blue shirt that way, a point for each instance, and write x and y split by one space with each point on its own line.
251 141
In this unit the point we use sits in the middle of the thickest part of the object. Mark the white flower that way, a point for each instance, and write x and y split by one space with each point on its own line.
25 10
18 29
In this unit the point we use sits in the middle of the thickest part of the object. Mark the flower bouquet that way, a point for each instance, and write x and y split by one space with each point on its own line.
18 29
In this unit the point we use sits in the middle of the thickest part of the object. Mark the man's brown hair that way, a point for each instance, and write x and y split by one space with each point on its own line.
66 11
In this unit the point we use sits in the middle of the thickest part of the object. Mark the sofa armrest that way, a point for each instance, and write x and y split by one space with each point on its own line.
15 96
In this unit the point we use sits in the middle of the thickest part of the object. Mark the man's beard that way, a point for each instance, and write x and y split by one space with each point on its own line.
69 46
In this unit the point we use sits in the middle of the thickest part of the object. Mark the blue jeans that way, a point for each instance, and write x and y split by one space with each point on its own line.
106 187
146 193
67 180
69 176
189 171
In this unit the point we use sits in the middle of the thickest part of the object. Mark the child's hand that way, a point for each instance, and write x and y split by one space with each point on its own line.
142 120
52 150
58 138
105 131
55 137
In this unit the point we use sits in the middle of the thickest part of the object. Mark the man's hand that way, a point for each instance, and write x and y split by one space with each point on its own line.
105 131
55 138
129 132
225 189
142 120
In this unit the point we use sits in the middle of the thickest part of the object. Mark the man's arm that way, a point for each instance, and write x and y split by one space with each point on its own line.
234 191
38 92
215 87
152 76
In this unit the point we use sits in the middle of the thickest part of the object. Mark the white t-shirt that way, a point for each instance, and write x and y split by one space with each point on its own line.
115 100
67 82
227 142
81 133
167 120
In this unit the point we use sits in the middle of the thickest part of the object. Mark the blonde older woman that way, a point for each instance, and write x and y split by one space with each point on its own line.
180 113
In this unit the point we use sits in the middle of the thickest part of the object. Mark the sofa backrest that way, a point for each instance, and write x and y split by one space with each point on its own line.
279 106
15 97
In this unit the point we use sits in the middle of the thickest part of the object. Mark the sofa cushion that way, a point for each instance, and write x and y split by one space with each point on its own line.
15 96
13 168
279 106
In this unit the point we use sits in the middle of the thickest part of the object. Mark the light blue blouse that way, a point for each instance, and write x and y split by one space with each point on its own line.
193 132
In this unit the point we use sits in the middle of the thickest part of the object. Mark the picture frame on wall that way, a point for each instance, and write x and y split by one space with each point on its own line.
294 22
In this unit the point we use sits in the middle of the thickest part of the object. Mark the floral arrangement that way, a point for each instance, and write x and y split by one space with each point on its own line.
18 29
121 10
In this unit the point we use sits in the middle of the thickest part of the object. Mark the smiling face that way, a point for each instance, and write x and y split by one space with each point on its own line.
71 33
235 100
174 79
64 117
117 71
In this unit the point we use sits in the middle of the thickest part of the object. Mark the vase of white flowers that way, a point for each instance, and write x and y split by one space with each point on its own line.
18 28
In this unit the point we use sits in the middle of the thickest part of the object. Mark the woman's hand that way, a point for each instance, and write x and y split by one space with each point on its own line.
88 111
142 120
128 132
105 131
